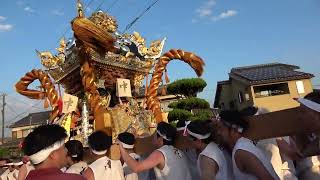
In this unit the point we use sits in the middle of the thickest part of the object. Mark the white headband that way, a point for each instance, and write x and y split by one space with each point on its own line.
99 152
180 128
18 163
185 128
239 129
198 136
163 136
127 146
42 155
74 155
310 104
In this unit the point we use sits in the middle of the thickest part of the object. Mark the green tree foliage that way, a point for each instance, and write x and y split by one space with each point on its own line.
4 152
187 87
203 114
190 103
182 109
177 114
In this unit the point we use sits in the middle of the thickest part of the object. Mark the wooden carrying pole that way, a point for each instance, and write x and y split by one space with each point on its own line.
281 123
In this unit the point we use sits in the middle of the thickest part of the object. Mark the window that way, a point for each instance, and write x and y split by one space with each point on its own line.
271 90
300 87
14 134
240 97
247 96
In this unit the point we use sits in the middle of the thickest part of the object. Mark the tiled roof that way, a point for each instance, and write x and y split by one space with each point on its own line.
268 73
32 119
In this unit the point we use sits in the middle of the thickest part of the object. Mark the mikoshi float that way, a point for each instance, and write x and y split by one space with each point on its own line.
102 71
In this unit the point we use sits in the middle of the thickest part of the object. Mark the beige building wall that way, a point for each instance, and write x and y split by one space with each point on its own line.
226 95
21 132
238 87
286 101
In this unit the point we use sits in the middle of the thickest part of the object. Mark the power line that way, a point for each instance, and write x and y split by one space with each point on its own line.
12 119
111 6
21 101
138 17
9 106
65 32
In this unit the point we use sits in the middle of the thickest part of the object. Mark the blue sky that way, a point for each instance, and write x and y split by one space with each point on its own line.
225 33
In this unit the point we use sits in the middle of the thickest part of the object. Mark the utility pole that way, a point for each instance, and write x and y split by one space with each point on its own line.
3 106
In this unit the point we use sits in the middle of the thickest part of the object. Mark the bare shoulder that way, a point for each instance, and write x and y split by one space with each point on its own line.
249 163
88 174
208 163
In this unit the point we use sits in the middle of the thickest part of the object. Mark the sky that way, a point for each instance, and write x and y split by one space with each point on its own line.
225 33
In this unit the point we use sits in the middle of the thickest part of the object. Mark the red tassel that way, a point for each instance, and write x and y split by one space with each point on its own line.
60 101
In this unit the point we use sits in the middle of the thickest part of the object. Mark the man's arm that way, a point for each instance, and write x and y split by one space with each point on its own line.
88 174
22 172
156 158
249 163
289 150
209 168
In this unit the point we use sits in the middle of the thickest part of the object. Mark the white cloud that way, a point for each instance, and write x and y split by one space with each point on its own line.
5 27
57 12
205 12
2 18
28 9
206 9
224 15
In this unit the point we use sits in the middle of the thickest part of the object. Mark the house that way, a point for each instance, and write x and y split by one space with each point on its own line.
272 86
20 129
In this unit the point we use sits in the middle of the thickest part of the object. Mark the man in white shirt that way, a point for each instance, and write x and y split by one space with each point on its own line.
127 140
167 161
213 161
102 167
249 162
75 162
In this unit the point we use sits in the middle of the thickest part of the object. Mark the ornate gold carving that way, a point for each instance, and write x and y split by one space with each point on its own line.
155 49
137 80
104 21
52 61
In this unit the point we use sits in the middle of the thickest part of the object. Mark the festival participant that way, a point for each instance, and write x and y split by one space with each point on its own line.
46 150
168 162
213 162
249 162
189 151
8 174
17 167
309 167
75 161
281 163
25 168
310 108
102 167
127 140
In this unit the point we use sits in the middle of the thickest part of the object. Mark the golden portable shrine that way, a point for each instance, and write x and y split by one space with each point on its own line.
94 69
